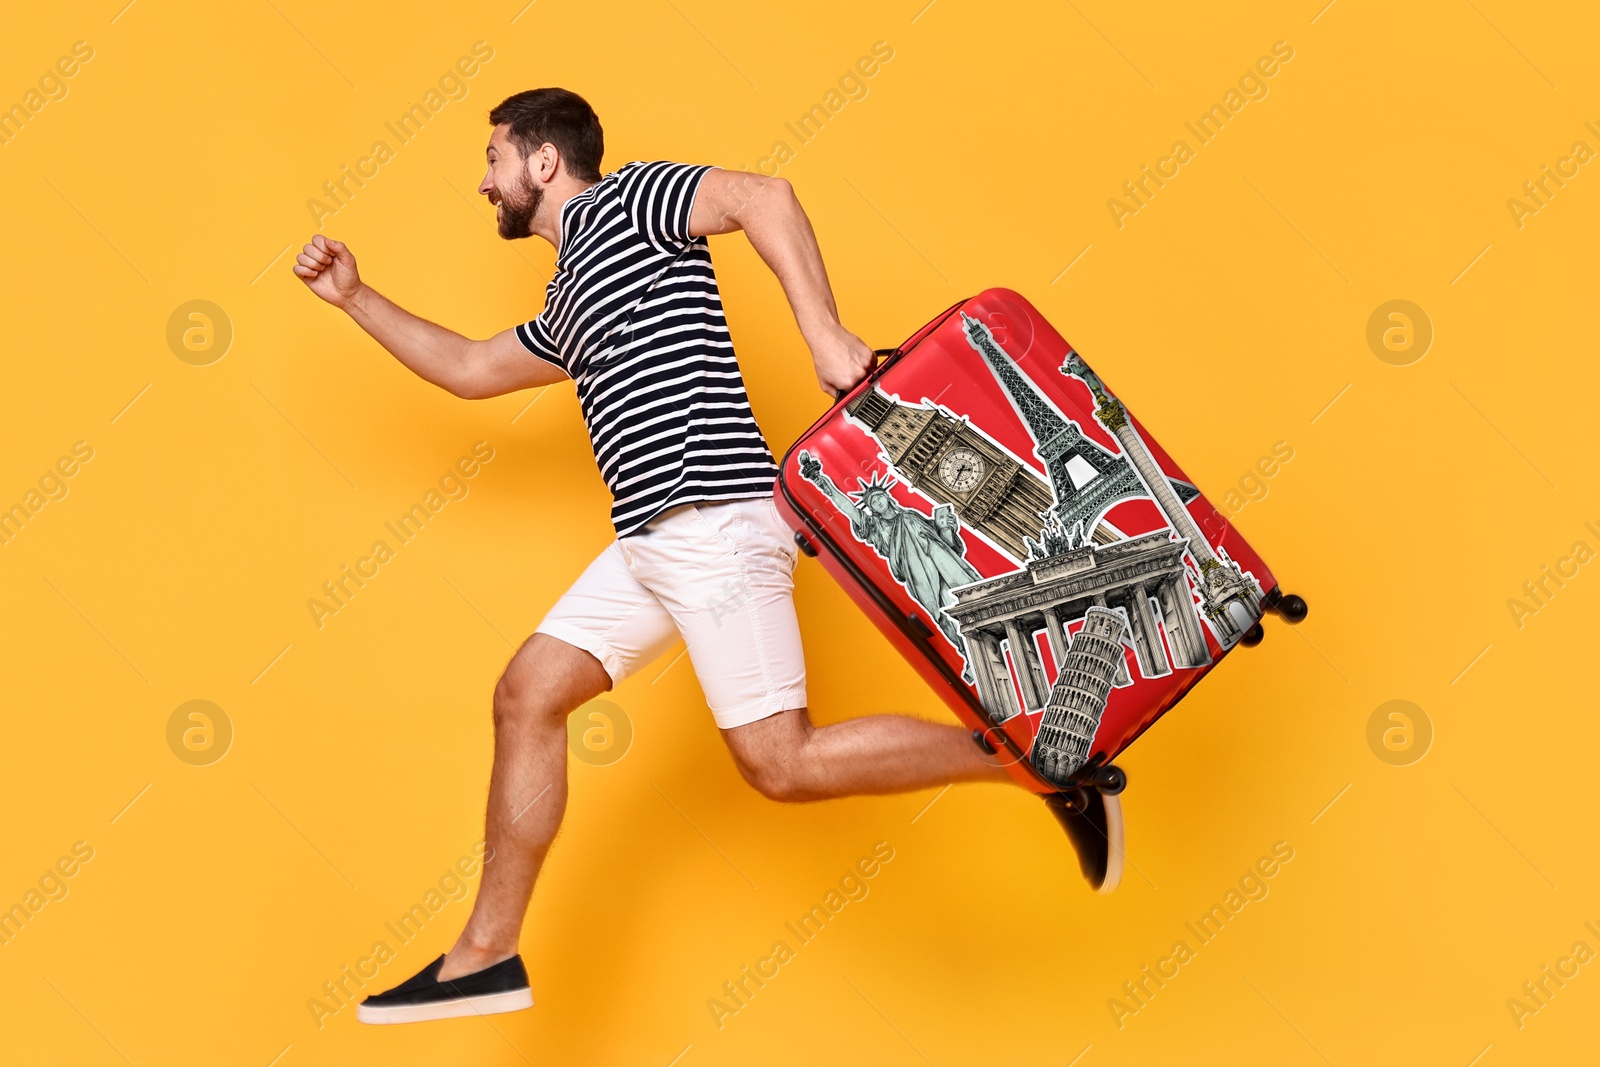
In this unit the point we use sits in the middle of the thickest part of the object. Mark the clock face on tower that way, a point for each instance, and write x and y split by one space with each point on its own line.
961 469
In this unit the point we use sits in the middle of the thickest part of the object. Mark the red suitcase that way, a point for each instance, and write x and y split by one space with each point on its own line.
1024 541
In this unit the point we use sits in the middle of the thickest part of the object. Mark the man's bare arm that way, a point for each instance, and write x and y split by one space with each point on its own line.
770 215
468 368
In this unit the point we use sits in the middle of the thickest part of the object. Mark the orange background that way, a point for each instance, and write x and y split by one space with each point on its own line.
1230 312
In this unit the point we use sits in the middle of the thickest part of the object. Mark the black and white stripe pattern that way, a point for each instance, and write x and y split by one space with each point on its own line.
634 316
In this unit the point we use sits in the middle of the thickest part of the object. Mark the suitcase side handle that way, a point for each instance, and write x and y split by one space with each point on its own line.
879 355
883 355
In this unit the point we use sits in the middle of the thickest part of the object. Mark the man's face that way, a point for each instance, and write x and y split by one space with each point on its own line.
510 187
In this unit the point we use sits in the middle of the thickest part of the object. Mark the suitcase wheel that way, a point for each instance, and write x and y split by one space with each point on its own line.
1293 608
806 547
1252 637
1290 607
980 739
1109 779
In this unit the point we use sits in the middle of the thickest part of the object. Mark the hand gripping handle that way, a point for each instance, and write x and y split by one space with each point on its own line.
879 355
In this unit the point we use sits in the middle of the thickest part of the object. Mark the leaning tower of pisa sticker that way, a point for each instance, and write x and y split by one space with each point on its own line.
1078 699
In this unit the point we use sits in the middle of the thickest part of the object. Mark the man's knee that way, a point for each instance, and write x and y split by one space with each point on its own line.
776 781
516 702
524 697
776 766
544 681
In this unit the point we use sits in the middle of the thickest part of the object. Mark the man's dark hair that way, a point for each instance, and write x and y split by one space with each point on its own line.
555 116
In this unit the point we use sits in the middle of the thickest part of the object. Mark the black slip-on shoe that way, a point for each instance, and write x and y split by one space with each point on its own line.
1093 822
500 988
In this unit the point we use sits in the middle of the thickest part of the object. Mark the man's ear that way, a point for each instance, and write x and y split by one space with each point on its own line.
545 162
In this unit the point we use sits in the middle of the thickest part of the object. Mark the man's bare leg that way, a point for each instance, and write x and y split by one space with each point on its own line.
787 758
545 681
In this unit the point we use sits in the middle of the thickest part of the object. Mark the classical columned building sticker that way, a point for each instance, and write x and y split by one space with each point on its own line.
1142 578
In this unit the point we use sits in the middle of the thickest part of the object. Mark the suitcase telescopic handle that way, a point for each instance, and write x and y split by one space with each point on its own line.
878 356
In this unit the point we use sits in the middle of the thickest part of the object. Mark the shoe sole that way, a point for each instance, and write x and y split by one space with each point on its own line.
1115 857
488 1004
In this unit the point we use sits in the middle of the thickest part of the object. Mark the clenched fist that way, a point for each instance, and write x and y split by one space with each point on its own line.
842 360
329 269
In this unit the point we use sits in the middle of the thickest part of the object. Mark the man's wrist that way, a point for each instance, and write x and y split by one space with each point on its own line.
819 323
356 304
822 340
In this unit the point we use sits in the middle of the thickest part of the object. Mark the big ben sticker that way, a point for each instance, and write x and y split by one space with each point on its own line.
961 469
950 461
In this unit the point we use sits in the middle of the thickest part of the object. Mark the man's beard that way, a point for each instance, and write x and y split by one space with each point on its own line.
517 205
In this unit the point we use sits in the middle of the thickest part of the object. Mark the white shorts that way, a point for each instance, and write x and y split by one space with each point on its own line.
719 575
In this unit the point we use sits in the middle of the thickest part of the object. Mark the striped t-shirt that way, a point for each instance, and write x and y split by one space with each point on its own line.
634 316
